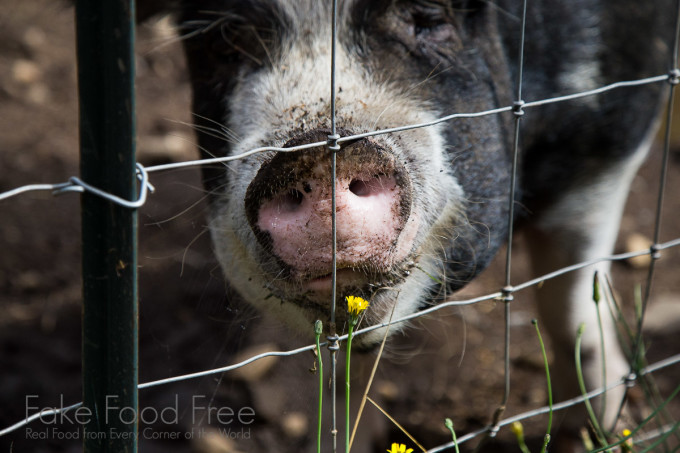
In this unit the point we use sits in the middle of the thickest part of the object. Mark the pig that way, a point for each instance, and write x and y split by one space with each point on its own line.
423 211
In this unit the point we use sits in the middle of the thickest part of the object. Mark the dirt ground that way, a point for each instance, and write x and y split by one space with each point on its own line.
448 365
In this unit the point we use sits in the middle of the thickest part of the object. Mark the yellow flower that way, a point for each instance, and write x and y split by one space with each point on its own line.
628 442
356 305
517 429
399 448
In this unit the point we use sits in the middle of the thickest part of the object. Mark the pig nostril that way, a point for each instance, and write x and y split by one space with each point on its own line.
371 186
359 188
290 201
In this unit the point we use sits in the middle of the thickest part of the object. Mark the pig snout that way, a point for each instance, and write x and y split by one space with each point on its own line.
289 208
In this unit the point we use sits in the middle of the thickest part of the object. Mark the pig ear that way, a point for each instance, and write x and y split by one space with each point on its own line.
149 8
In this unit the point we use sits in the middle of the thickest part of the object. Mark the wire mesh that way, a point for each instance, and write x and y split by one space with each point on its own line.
505 294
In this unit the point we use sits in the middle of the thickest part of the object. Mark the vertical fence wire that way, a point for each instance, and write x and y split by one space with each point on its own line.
673 80
507 290
333 147
105 47
107 338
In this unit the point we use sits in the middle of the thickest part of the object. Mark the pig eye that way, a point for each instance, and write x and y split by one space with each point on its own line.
426 21
424 28
432 23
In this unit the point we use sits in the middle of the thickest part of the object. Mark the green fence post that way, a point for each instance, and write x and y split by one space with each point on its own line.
105 42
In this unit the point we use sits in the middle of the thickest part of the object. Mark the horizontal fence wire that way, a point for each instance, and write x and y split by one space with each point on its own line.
624 380
76 185
454 303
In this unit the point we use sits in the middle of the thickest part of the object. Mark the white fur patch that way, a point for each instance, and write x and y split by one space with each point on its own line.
273 105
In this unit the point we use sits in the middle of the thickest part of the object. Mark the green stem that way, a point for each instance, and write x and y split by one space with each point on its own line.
546 438
644 422
449 424
662 439
352 323
522 444
596 299
318 329
579 373
604 360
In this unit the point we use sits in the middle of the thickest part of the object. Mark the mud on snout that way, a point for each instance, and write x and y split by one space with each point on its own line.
289 208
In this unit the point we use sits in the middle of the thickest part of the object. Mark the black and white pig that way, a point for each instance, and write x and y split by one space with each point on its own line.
421 212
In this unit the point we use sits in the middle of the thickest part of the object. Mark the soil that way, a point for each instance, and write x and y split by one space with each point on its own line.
447 365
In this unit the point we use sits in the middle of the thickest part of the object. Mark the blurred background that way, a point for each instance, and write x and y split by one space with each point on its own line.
450 366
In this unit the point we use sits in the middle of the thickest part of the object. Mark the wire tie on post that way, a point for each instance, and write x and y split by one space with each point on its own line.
654 251
75 184
493 430
630 380
674 76
518 108
495 425
333 344
333 143
506 294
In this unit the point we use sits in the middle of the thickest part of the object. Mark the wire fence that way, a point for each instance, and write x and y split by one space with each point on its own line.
504 294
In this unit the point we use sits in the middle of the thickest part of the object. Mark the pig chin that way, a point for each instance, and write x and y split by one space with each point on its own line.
362 270
313 296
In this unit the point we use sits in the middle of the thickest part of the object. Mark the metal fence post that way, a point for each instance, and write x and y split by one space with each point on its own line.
105 42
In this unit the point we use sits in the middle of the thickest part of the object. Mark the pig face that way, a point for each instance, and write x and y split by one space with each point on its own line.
419 212
422 211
